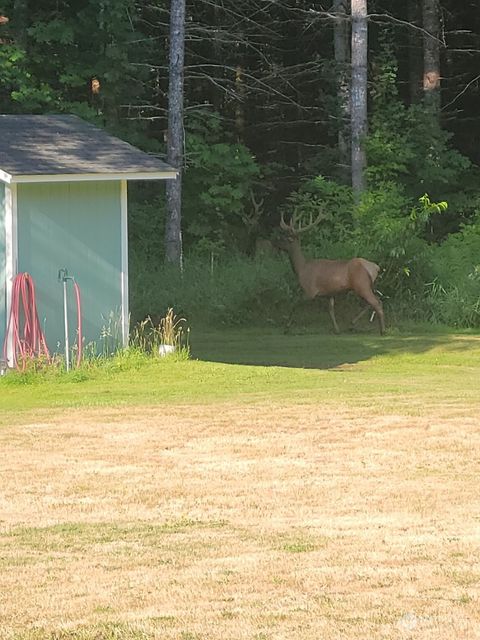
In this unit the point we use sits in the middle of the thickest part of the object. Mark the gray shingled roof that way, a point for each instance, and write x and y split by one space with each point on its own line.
53 145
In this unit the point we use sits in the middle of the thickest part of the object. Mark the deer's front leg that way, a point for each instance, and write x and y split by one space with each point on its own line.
331 311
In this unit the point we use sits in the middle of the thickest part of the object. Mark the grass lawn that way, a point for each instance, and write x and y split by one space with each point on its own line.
272 487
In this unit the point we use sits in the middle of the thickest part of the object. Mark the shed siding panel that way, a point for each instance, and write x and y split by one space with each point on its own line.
3 301
76 226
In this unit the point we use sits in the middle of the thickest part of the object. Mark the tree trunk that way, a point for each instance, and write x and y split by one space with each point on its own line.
19 22
342 59
175 140
431 55
359 94
415 64
240 103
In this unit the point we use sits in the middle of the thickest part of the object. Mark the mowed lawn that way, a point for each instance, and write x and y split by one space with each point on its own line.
273 487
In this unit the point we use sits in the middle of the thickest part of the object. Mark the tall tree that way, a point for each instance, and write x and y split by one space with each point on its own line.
431 54
175 140
342 58
20 12
359 93
415 65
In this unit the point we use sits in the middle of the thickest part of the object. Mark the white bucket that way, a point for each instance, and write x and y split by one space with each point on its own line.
166 349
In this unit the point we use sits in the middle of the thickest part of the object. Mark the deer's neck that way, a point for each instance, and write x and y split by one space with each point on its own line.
297 258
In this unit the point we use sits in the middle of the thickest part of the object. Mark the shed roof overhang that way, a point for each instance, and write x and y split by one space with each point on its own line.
85 177
64 148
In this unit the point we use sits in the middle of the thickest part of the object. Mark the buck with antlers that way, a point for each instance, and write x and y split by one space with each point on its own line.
329 277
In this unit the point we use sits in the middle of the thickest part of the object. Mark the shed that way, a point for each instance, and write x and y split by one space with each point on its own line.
63 205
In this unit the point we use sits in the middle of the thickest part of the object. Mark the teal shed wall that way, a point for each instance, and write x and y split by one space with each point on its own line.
3 300
77 226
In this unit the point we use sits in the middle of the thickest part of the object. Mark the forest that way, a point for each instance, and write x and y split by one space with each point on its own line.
269 123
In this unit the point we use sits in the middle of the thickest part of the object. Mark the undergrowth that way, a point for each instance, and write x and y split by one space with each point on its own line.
146 341
432 284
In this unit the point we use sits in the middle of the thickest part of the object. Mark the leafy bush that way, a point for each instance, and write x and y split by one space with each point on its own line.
146 225
217 182
407 144
334 201
454 293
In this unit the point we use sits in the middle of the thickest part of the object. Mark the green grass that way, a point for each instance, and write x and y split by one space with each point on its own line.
249 365
106 631
66 538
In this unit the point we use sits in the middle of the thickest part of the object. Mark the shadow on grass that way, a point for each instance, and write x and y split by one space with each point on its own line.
309 350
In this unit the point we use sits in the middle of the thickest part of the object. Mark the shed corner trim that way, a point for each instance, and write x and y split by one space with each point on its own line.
6 177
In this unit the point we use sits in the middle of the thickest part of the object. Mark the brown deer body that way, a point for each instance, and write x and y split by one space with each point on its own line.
329 277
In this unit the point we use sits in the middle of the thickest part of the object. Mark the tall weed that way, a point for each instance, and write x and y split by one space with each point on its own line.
231 290
454 293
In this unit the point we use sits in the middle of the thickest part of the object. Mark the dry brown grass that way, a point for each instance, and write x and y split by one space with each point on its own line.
256 522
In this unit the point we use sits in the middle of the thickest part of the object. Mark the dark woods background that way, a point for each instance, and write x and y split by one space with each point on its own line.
264 114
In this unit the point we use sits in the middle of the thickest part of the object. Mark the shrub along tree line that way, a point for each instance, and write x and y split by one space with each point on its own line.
267 130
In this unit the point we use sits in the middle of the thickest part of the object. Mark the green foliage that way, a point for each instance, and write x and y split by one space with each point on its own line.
20 91
234 290
66 46
334 200
217 181
454 292
458 258
218 178
55 30
146 226
387 224
407 144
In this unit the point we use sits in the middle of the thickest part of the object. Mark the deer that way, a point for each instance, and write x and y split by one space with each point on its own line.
252 219
320 277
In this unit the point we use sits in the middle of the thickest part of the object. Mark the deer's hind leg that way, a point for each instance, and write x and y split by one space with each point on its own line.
358 316
363 287
377 306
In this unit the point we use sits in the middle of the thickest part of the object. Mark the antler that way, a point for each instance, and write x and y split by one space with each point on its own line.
295 226
253 218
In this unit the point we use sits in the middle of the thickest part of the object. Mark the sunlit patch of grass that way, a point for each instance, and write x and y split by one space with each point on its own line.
76 536
105 631
299 546
299 542
407 370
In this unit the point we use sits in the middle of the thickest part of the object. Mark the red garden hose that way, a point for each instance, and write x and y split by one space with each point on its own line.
24 326
28 340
